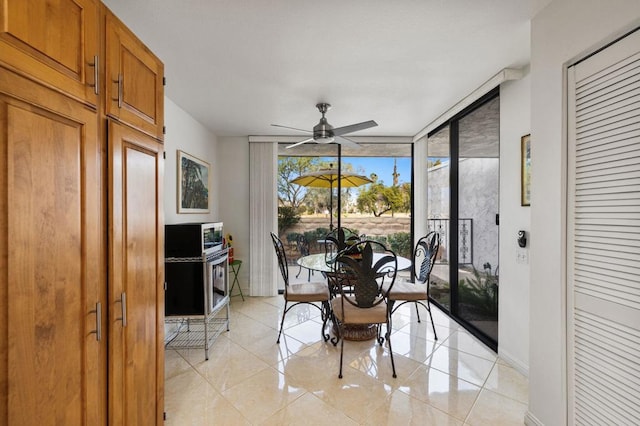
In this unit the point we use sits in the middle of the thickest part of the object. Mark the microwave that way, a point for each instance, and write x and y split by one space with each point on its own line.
196 287
193 239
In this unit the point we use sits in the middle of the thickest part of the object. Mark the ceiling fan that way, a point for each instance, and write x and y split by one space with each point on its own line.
323 132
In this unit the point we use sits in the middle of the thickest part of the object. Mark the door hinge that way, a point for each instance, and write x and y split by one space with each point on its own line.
165 286
164 130
497 218
164 415
164 81
164 155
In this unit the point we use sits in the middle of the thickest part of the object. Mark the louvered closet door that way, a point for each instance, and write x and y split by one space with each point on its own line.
603 241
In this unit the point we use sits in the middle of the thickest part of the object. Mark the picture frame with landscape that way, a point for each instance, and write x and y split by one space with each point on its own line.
193 184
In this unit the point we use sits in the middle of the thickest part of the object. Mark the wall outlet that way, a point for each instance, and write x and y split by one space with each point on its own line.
522 256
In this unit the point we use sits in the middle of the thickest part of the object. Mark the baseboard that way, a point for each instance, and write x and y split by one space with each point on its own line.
531 420
514 362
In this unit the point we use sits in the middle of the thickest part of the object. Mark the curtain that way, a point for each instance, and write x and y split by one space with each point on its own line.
263 205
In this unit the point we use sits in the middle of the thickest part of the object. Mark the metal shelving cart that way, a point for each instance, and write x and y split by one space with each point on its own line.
197 300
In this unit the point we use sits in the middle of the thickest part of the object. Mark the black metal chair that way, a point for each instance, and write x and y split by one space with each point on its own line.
402 292
340 238
309 293
336 241
359 277
303 248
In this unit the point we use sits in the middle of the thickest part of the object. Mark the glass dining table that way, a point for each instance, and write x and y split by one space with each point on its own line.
318 262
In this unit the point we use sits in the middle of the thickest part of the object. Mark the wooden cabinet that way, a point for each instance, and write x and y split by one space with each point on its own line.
81 224
53 42
136 285
134 86
52 260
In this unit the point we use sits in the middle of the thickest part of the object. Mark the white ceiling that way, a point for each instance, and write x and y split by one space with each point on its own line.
238 66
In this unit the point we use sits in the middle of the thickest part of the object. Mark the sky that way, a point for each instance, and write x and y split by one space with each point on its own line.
381 166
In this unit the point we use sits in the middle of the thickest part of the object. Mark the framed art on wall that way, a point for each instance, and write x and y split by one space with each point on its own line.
525 170
193 184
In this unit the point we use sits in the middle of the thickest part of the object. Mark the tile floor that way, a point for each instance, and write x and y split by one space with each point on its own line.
251 380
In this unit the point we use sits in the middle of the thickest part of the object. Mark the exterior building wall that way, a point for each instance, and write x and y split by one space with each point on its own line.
478 199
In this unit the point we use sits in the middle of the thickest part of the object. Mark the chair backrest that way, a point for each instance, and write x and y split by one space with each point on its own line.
282 258
302 245
339 239
424 256
367 267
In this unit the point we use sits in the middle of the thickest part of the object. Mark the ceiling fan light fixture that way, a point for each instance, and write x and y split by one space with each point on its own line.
325 139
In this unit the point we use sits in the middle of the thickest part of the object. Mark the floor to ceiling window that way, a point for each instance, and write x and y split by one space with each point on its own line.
463 171
379 210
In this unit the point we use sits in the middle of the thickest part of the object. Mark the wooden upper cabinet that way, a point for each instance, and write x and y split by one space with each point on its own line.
54 42
134 86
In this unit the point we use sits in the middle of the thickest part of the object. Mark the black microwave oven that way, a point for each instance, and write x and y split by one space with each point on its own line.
193 239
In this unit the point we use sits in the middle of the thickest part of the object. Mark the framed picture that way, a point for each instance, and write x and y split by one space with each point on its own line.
525 170
193 184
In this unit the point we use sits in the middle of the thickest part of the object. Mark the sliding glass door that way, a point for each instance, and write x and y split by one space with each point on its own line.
438 207
478 175
463 176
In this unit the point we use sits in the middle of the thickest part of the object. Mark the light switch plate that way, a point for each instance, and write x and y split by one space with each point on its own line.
522 256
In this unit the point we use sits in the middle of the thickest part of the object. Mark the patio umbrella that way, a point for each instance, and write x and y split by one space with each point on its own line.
331 178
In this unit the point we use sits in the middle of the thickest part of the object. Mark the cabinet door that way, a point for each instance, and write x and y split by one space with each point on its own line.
134 86
55 42
136 286
52 267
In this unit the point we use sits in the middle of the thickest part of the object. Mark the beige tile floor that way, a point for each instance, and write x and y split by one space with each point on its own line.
251 380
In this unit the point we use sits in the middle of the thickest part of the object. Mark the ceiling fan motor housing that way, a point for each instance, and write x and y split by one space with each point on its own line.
323 132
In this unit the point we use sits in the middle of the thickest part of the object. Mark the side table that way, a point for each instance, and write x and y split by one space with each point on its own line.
235 269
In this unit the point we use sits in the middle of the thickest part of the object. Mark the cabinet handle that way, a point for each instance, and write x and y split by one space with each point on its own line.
123 306
120 90
96 74
98 312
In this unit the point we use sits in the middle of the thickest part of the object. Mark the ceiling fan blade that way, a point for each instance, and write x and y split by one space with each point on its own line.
291 128
299 143
348 142
354 128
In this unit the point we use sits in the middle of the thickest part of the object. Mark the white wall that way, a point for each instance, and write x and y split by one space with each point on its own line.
186 134
561 32
513 320
234 195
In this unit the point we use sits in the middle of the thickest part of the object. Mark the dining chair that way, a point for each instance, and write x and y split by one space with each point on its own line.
339 238
305 293
362 300
303 248
336 241
417 292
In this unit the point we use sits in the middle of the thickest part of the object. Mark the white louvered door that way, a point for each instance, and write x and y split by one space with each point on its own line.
603 236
